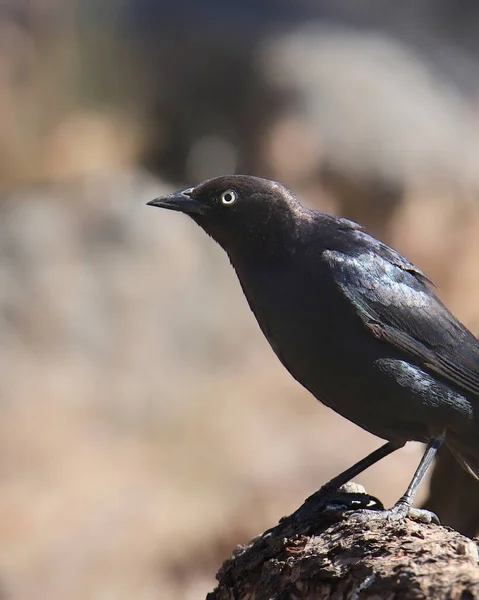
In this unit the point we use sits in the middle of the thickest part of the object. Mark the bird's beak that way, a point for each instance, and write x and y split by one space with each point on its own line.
181 201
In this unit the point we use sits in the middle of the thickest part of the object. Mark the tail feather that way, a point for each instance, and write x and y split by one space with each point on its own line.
467 459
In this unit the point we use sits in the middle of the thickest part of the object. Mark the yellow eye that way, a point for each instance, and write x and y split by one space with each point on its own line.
229 197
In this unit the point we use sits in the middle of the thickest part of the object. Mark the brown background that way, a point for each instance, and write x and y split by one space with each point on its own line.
146 427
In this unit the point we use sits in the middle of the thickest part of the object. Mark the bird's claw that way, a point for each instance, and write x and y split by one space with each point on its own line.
423 516
352 501
396 513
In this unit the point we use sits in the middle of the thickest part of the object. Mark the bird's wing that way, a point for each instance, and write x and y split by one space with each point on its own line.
396 304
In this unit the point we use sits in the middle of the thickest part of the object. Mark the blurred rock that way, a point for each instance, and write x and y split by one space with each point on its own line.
381 117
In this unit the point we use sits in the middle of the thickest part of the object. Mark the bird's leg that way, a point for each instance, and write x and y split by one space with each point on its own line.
330 488
403 506
329 499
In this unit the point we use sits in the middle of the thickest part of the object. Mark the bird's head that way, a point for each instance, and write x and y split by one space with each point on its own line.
239 211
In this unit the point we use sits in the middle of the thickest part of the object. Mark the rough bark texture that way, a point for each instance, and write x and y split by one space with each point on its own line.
322 553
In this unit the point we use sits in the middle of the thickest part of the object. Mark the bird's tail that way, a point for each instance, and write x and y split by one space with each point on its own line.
466 456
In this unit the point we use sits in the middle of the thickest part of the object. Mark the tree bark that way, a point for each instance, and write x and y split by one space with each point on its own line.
323 553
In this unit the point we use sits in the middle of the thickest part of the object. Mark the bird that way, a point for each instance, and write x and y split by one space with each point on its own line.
352 320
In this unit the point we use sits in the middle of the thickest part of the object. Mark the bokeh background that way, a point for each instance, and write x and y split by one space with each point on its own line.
146 428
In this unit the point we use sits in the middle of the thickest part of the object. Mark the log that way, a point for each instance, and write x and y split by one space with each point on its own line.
324 553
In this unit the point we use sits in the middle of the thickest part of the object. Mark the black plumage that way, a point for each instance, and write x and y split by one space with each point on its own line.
351 319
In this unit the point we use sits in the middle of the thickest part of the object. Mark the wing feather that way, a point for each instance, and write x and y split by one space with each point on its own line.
395 301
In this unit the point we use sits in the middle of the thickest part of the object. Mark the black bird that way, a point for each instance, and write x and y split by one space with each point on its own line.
352 320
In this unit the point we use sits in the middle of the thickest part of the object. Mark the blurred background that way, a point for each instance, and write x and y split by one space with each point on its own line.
146 428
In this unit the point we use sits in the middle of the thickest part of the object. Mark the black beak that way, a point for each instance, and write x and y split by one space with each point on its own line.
181 201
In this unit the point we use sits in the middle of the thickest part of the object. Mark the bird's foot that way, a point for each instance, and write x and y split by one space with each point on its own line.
349 497
399 511
331 503
349 494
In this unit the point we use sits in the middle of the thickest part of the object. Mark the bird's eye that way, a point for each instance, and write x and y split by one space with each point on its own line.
229 197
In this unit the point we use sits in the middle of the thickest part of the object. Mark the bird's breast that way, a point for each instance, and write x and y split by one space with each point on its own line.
307 323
